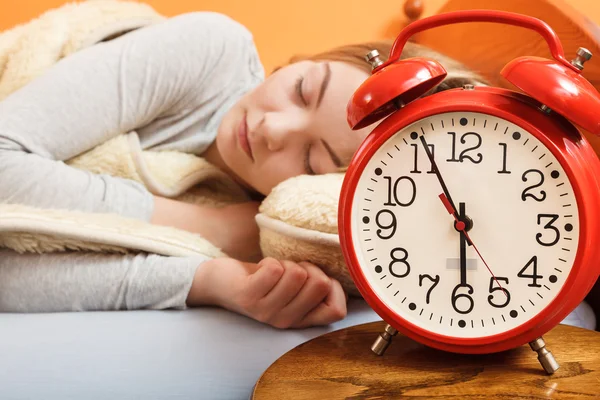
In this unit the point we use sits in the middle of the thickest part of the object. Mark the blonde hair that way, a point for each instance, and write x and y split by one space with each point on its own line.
354 54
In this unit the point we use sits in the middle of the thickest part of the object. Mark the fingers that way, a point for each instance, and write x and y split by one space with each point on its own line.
315 290
287 294
332 309
287 288
265 278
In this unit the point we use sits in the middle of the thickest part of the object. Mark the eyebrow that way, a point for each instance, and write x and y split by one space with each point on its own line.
324 83
334 157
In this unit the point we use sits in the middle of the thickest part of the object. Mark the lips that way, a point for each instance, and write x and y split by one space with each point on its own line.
243 138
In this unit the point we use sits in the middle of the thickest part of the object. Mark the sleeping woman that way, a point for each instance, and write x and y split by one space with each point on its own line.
193 83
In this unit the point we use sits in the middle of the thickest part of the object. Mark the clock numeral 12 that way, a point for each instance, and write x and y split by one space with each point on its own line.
463 154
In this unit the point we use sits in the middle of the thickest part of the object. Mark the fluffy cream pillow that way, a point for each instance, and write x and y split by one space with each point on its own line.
298 222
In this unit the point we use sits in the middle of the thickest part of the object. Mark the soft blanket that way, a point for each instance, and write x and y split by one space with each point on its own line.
26 51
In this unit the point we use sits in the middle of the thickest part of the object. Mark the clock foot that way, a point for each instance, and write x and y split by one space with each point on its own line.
383 340
545 357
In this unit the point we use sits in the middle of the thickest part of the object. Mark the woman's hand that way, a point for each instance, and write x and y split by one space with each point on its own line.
284 294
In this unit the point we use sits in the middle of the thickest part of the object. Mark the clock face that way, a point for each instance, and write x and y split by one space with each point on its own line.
519 210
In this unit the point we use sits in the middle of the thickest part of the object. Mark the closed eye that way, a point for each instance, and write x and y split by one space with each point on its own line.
307 167
299 90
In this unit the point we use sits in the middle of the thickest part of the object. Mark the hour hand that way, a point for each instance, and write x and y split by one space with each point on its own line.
463 248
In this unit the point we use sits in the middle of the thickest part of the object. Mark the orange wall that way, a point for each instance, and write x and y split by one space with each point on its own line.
282 28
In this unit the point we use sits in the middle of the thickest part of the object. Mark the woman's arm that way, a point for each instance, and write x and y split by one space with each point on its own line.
152 74
283 294
231 228
82 281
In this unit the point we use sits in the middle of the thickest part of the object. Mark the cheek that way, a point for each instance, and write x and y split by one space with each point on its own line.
276 170
334 113
258 97
226 134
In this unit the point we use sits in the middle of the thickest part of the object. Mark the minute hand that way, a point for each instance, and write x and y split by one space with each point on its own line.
439 176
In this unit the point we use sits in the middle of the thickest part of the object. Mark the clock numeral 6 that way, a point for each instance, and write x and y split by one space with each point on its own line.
526 195
456 296
404 269
506 295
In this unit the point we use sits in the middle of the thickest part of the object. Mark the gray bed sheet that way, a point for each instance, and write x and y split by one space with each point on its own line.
205 353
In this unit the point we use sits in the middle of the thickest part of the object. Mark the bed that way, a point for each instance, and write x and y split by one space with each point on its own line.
210 353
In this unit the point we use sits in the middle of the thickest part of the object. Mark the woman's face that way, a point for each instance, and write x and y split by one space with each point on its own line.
293 123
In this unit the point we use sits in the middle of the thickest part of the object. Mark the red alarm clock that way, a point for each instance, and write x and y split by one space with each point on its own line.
470 219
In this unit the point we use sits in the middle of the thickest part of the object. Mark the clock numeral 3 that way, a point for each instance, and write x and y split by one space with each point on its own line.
394 192
525 195
534 276
456 296
505 295
435 281
463 154
397 270
553 218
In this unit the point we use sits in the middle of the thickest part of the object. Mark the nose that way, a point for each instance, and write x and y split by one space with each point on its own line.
276 130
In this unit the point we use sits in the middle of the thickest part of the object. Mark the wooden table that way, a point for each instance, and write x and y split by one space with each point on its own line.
340 365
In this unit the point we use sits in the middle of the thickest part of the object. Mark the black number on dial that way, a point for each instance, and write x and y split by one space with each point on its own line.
397 270
416 169
391 225
505 295
394 192
538 237
503 170
525 195
463 154
534 276
435 281
456 296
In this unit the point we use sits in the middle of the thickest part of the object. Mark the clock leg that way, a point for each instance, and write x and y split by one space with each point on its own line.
545 357
383 340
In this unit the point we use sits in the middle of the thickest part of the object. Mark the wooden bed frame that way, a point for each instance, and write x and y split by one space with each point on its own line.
487 47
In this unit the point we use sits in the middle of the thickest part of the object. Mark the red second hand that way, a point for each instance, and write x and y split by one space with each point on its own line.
460 225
